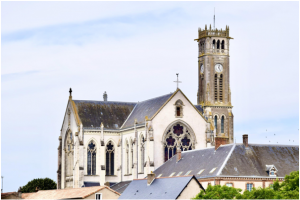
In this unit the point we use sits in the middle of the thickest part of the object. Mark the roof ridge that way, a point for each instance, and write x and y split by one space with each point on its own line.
107 101
128 116
226 159
156 97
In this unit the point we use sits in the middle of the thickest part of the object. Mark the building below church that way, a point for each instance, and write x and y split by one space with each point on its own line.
108 141
241 166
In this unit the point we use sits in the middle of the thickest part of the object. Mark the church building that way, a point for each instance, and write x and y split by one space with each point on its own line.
115 141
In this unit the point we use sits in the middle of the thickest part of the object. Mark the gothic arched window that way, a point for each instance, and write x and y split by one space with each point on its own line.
222 124
179 108
131 150
91 161
178 136
213 44
142 153
223 44
216 120
127 157
218 44
110 156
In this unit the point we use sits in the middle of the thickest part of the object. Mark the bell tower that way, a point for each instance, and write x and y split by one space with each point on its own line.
214 81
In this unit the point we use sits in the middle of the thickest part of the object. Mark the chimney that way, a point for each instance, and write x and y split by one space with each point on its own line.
220 141
245 140
178 154
150 178
20 192
104 96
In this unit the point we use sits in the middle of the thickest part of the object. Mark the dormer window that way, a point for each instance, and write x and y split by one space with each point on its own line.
179 108
271 170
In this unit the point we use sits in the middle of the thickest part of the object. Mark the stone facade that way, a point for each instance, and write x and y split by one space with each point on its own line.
124 154
214 80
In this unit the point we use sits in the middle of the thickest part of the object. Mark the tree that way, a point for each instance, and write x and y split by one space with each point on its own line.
218 192
40 183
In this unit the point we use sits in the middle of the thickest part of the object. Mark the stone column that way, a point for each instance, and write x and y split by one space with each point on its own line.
102 163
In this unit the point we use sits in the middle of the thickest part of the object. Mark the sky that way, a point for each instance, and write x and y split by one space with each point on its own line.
133 50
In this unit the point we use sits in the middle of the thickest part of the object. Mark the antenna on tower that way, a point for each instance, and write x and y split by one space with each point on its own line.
214 18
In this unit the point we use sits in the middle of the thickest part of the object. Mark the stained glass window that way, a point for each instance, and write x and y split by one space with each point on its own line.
222 124
216 119
178 130
176 137
110 152
91 152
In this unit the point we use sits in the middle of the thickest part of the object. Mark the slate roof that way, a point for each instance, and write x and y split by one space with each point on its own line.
199 107
234 160
90 184
160 188
121 186
196 160
71 193
111 113
253 161
146 108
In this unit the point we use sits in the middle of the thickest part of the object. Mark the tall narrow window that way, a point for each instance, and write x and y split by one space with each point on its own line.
216 120
91 152
222 124
213 44
218 44
216 87
110 155
223 44
127 156
142 153
221 88
131 155
178 111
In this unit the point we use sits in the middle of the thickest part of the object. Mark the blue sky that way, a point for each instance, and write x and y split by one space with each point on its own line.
133 50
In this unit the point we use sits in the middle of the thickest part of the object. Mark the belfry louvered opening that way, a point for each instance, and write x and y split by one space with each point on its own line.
216 87
221 88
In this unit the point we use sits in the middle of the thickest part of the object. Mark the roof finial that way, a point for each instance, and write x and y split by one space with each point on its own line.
104 96
214 18
177 80
70 91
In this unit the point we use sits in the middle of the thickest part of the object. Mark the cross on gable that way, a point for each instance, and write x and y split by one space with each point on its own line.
177 80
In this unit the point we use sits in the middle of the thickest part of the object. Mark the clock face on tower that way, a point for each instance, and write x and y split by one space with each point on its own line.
202 69
218 68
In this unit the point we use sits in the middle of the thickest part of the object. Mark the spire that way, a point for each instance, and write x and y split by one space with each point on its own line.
70 91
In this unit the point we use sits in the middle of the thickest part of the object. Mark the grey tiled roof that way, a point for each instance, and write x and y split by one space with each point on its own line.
90 184
160 188
146 108
234 160
253 161
121 186
199 107
111 113
196 160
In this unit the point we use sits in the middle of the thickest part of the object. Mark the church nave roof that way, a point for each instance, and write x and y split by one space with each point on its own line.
111 113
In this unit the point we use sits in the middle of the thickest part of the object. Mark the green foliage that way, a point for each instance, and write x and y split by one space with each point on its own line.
288 189
218 192
41 183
